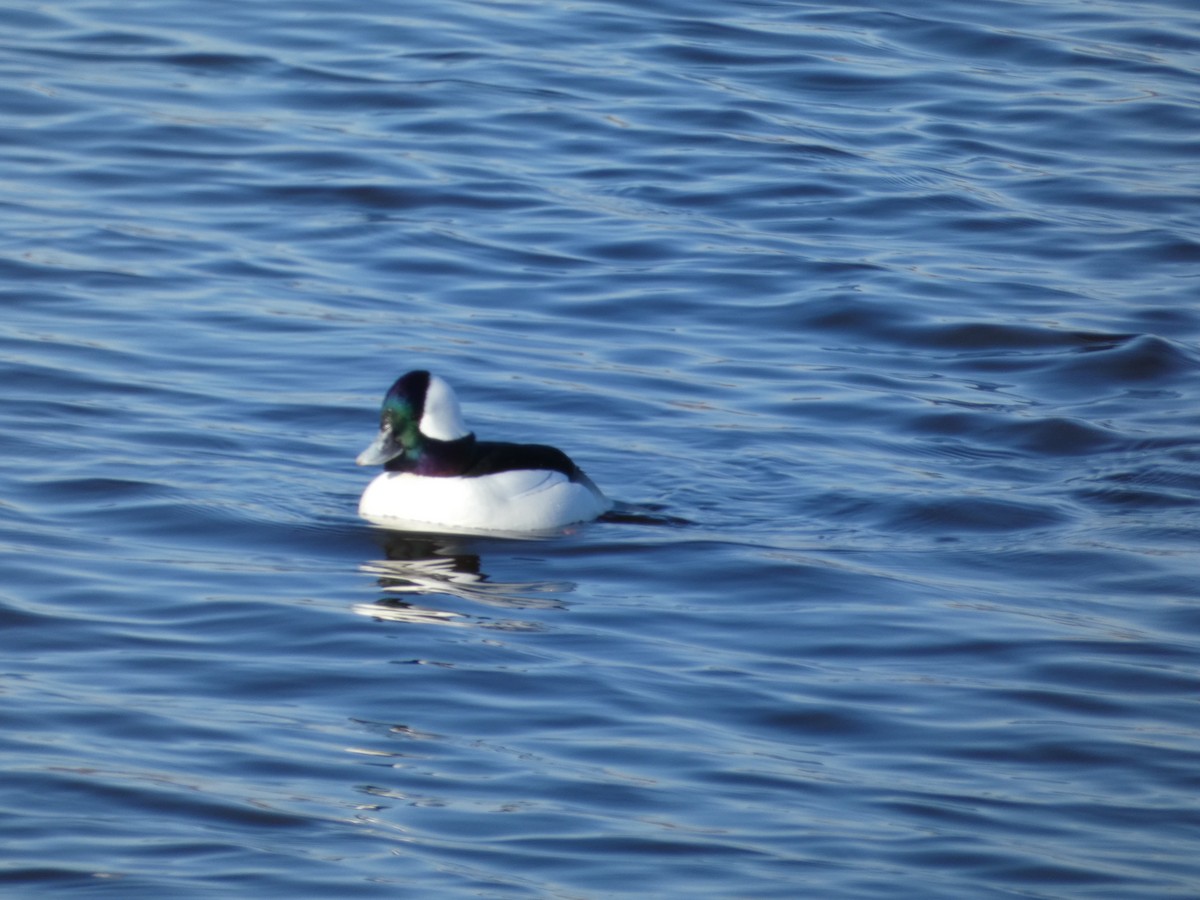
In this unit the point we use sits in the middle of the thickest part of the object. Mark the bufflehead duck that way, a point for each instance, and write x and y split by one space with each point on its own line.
438 477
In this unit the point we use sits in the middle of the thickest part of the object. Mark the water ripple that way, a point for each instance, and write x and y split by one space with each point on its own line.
877 324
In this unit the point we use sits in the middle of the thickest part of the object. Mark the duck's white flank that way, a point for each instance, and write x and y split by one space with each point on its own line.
520 500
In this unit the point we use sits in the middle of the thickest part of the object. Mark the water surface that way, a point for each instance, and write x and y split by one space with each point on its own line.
882 322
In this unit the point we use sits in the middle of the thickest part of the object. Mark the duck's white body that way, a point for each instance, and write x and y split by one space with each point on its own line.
520 500
440 478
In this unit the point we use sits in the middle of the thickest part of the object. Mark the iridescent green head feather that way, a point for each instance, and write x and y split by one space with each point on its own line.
418 408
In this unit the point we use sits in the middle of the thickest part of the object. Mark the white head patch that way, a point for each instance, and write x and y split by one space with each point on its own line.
442 419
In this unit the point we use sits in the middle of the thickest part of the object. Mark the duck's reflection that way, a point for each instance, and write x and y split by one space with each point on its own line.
449 568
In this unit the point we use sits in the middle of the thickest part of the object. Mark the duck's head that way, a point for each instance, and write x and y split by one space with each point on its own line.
419 407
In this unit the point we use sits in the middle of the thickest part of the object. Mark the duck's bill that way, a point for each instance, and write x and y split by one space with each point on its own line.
384 448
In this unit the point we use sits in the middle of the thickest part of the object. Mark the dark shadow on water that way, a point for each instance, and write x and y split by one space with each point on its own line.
650 514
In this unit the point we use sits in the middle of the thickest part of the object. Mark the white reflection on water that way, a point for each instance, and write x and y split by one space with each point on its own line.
428 566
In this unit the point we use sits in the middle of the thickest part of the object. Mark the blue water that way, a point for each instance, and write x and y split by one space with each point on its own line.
881 323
